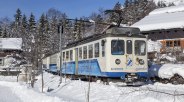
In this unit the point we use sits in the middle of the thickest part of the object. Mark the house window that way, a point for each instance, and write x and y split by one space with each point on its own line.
85 52
90 51
1 61
97 50
169 43
177 43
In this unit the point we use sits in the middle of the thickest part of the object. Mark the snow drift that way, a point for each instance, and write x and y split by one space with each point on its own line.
166 71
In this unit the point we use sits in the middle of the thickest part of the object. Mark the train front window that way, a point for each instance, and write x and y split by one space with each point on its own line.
140 47
117 47
129 47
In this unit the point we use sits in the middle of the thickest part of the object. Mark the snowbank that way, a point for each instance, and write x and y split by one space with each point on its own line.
166 71
12 61
28 95
76 91
168 57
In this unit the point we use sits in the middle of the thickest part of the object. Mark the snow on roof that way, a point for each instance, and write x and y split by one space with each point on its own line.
11 43
163 18
176 2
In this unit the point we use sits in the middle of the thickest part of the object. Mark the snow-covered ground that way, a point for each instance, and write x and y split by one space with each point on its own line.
11 91
76 91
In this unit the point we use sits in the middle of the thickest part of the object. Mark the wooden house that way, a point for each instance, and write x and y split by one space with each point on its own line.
167 26
9 46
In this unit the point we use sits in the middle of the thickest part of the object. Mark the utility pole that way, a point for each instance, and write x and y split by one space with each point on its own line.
41 57
60 49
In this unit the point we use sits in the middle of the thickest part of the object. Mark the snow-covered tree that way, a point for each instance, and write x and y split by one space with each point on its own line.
1 32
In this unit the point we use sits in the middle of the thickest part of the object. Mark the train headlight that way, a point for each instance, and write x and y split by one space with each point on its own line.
141 61
117 61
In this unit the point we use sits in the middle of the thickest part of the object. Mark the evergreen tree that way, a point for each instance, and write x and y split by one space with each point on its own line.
1 32
24 22
43 32
114 16
171 4
161 4
24 33
32 40
137 10
126 4
5 33
18 17
17 23
32 23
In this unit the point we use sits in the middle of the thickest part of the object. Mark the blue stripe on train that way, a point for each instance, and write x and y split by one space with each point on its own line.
53 67
91 67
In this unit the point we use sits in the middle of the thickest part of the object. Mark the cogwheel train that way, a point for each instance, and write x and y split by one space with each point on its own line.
119 52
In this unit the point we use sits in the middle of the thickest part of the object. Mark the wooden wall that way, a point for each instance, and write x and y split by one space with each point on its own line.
171 39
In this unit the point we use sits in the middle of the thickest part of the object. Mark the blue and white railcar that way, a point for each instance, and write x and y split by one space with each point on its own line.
120 52
50 63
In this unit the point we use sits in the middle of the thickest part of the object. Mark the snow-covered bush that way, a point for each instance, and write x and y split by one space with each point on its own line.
12 61
154 46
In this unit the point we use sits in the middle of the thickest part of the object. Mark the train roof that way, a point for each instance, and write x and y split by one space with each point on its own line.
110 32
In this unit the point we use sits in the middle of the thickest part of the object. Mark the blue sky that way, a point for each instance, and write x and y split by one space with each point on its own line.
73 8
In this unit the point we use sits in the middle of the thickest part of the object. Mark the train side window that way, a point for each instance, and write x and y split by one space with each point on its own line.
117 47
140 47
85 52
71 55
80 53
63 56
129 47
67 55
90 51
97 50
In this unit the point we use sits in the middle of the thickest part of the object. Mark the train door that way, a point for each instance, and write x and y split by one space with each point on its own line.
76 61
129 53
